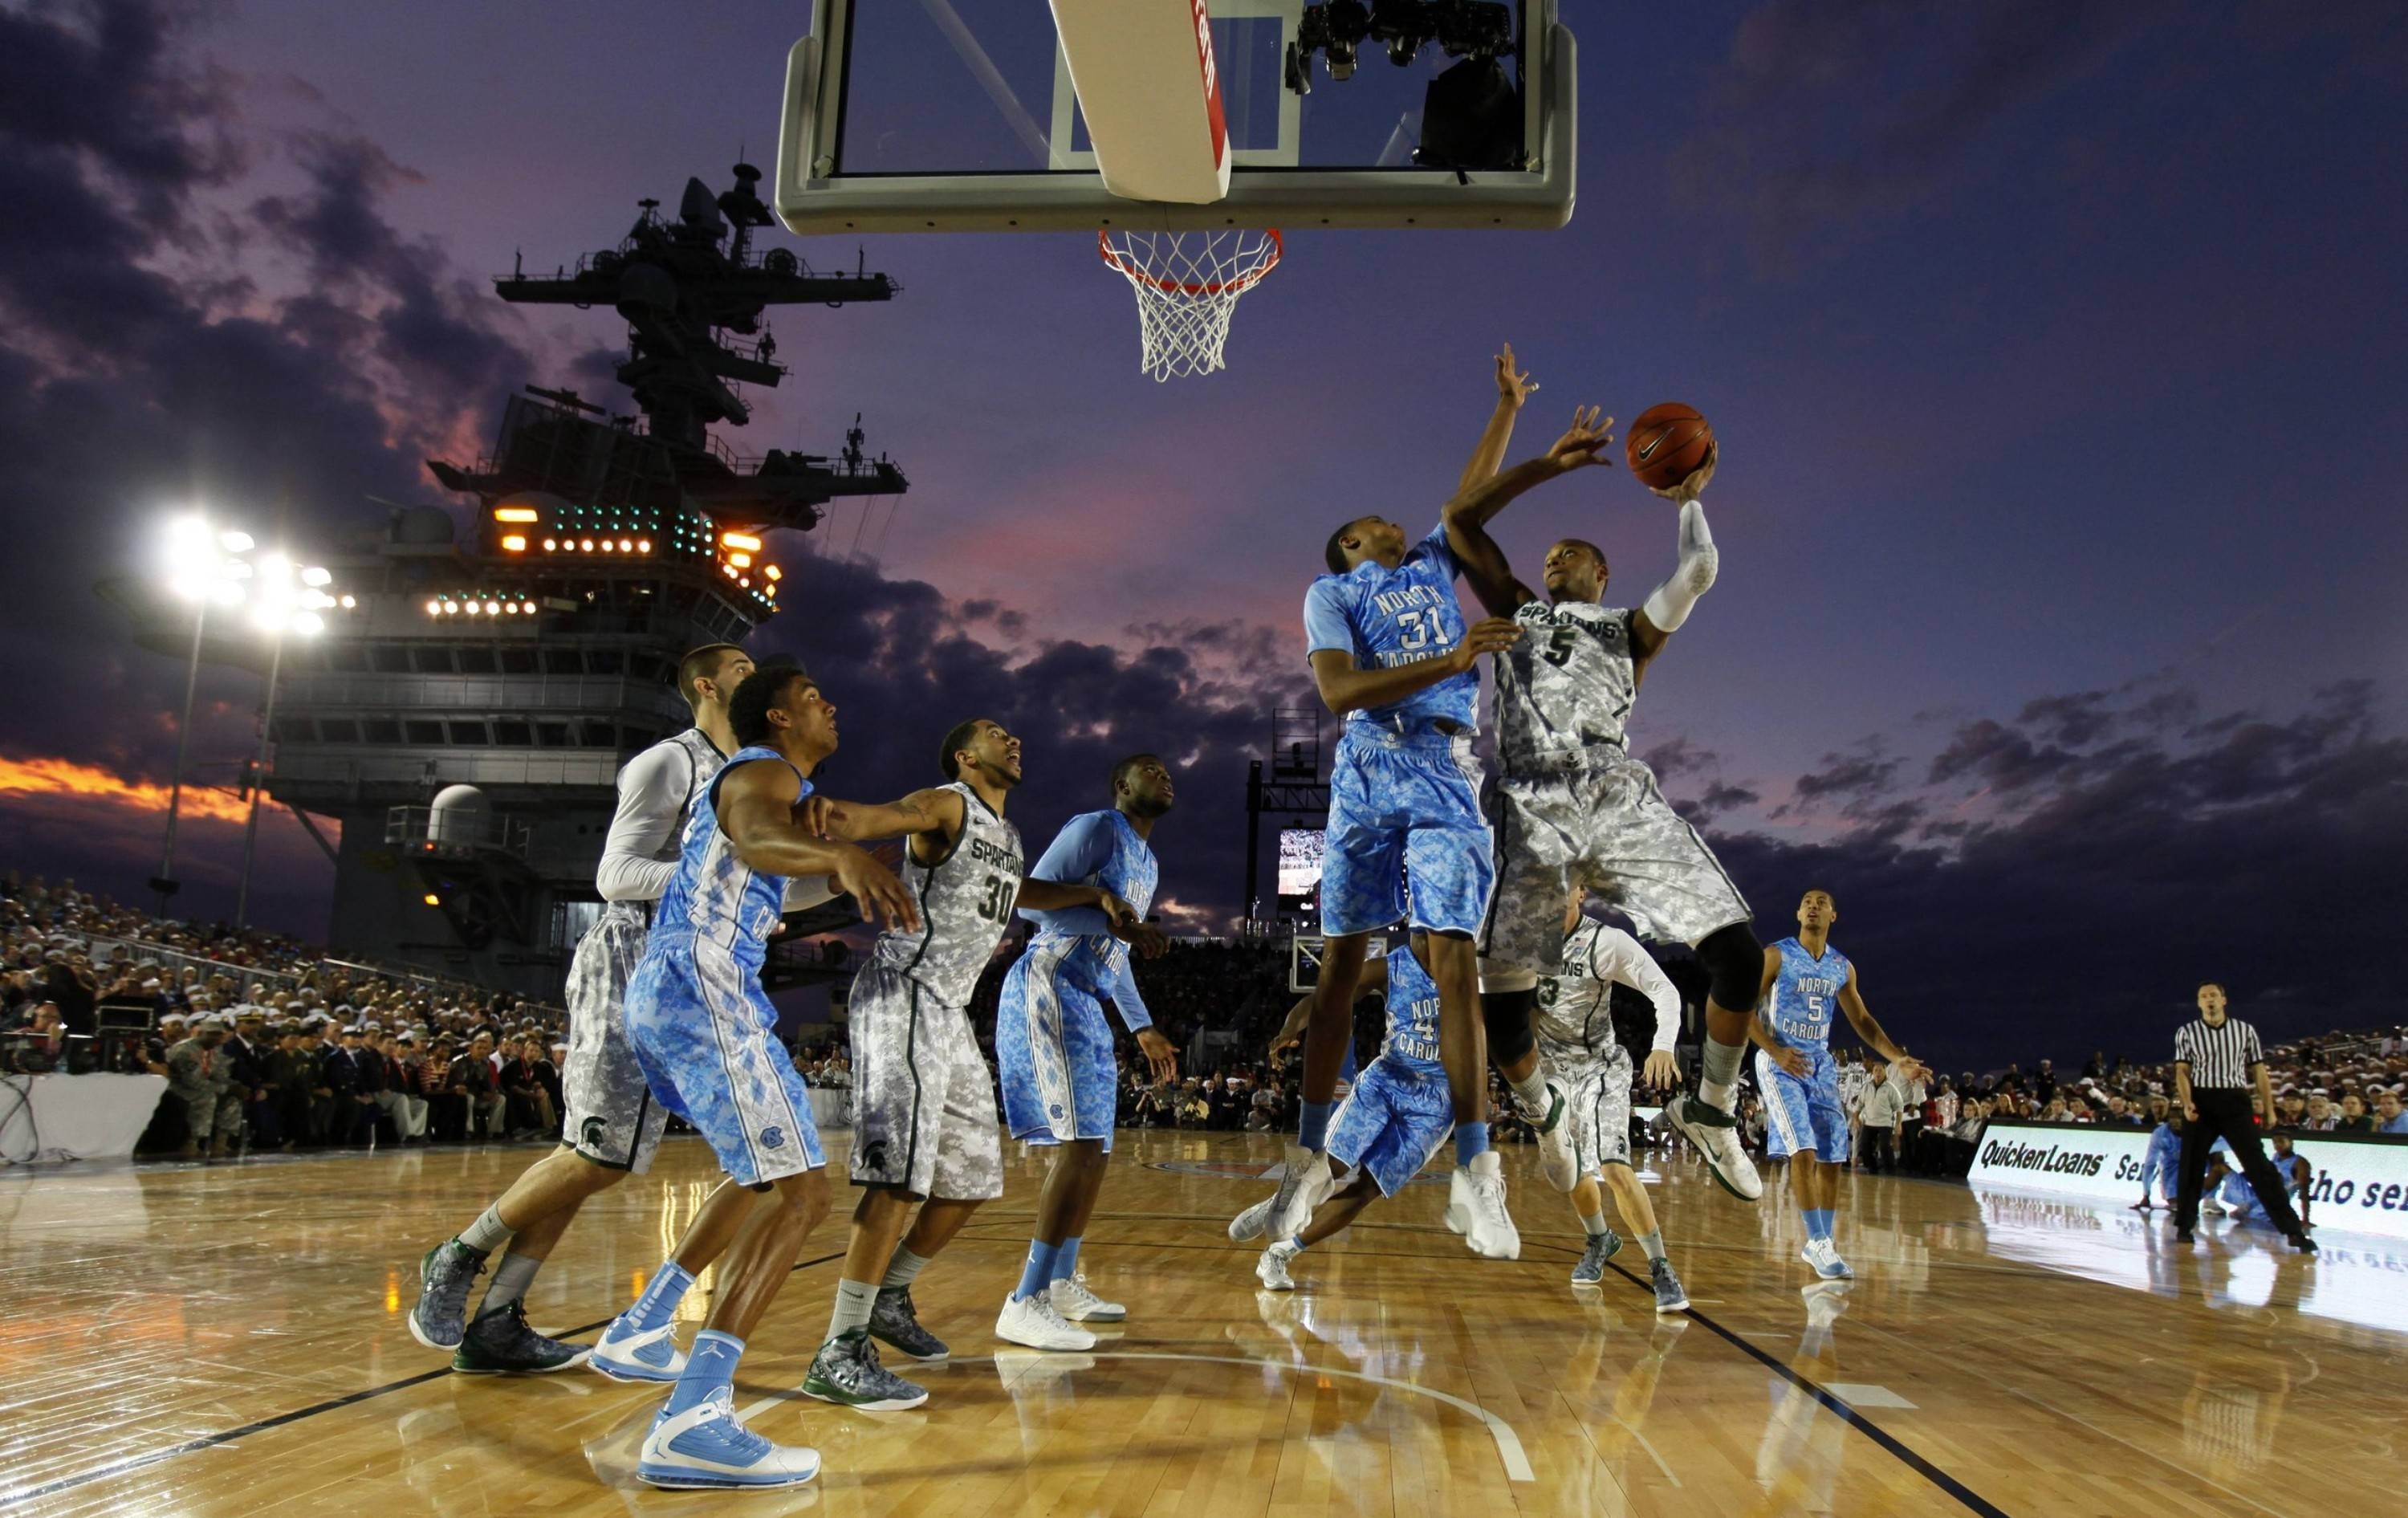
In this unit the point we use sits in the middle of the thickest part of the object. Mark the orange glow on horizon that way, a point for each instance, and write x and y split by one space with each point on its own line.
63 776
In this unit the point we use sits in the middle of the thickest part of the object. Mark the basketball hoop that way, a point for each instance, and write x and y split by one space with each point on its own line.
1188 284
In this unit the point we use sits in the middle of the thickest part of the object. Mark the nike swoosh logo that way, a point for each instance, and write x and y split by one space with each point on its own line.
1652 447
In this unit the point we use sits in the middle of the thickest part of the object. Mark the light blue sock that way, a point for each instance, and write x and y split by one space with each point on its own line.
708 1366
1313 1124
1038 1270
1471 1141
1066 1260
662 1293
1818 1221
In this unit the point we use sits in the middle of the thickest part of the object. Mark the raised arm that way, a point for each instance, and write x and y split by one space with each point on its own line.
1467 516
1512 388
1345 687
1693 572
756 811
1904 1066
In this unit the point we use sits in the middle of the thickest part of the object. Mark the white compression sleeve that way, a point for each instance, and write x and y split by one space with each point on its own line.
1693 574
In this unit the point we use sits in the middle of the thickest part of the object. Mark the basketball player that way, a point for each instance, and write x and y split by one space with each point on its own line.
1390 653
702 1029
1572 807
1575 1024
1054 1049
1394 1120
924 1119
2240 1199
1803 978
2162 1163
612 1124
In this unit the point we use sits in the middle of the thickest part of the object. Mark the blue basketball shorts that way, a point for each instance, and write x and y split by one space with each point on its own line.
1392 1121
1805 1115
1406 839
1053 1050
705 1034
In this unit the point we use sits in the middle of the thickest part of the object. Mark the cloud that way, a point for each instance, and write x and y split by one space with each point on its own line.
1832 117
2039 896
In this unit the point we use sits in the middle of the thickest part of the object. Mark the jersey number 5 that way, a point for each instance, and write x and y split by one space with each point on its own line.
995 898
1558 650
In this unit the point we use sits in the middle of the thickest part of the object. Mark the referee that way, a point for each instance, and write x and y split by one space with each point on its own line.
2216 1061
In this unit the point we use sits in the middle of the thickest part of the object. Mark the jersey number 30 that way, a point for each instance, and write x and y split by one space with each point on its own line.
995 898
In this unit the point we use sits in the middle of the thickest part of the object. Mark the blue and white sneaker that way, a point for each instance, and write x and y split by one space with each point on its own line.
1824 1256
705 1447
627 1353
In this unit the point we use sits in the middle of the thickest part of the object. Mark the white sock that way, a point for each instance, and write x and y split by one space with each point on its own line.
903 1269
1595 1223
1653 1243
1530 1094
853 1299
488 1233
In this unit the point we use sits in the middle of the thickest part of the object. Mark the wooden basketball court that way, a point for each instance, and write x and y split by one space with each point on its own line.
182 1340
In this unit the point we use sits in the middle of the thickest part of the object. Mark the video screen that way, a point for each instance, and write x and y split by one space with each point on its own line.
1299 869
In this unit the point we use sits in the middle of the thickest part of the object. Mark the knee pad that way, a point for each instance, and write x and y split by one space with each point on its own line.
1734 965
1507 1014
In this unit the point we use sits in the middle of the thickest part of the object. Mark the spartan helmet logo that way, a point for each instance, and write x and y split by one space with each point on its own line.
590 1135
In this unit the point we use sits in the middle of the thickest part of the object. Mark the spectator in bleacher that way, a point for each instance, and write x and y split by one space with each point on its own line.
472 1079
248 1051
2321 1116
2353 1117
2390 1115
201 1077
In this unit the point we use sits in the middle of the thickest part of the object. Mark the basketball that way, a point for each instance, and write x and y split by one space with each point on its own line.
1668 444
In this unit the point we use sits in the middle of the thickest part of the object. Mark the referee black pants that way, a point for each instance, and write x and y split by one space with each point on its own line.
2225 1113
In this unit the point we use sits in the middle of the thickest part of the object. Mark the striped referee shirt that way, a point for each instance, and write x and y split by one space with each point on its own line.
2220 1055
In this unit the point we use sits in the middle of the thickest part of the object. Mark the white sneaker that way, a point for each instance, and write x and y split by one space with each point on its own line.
1254 1222
706 1446
1032 1321
1824 1256
1303 1187
1075 1302
1475 1208
1716 1136
1271 1269
1556 1161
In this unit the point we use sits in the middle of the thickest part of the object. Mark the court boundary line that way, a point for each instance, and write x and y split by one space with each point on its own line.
208 1441
1840 1407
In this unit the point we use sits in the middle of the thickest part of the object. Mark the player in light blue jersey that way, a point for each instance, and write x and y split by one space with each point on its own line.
1390 654
1053 1049
2163 1161
704 1032
1804 979
1394 1120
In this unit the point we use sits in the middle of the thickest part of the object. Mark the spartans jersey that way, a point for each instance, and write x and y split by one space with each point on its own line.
966 900
1566 685
701 761
1805 995
1574 1007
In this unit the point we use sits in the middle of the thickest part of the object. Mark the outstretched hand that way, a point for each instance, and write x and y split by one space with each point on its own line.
1514 387
1489 635
1591 435
1690 489
880 897
1661 1071
1158 1053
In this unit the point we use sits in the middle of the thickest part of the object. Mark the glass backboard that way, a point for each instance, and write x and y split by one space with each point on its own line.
959 115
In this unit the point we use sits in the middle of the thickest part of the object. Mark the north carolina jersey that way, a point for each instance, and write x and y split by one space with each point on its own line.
1568 685
1805 995
1389 617
714 895
966 900
1412 1039
1129 871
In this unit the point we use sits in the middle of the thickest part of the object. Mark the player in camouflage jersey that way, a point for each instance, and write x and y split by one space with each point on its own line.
924 1117
1575 1024
1571 806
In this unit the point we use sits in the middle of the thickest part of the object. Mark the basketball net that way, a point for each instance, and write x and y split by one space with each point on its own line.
1187 285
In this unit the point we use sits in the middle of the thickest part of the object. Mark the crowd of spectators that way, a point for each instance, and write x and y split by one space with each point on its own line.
266 1043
